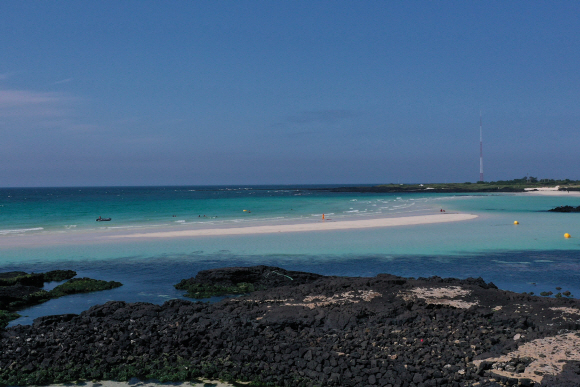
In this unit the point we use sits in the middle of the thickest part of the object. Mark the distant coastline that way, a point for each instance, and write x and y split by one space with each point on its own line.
545 186
405 188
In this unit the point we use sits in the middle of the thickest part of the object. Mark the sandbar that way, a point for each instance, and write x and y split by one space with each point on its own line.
306 227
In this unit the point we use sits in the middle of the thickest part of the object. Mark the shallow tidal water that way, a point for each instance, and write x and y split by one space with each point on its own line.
37 234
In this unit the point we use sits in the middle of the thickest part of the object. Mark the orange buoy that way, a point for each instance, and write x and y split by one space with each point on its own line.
516 222
566 235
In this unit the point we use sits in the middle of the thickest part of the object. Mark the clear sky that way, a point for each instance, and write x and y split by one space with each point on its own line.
269 92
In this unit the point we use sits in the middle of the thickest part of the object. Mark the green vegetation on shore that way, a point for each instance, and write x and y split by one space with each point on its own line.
515 185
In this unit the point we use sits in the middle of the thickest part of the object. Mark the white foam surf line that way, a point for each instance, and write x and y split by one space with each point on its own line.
20 230
303 227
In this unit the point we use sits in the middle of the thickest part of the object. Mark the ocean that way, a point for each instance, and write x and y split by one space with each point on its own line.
54 228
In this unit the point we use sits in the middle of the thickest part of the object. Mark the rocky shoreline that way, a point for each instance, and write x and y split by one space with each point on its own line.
19 290
311 331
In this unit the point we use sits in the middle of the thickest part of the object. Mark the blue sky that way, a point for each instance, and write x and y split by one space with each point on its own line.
271 92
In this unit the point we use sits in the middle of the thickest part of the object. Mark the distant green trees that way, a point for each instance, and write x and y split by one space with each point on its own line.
533 180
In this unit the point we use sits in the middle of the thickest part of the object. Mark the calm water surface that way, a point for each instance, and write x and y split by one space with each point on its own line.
45 229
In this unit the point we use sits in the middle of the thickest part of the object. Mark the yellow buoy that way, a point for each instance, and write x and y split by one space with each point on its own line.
516 222
566 235
245 210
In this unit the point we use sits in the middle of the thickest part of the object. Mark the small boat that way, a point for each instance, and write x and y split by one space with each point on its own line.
99 219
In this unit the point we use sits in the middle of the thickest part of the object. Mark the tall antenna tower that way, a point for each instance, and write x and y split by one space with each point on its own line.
480 148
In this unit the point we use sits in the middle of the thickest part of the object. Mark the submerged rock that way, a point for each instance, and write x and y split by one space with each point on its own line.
565 209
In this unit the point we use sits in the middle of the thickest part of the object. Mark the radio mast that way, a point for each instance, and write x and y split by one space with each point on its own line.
480 148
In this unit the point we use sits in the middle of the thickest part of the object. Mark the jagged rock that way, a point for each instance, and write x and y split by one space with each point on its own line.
240 280
324 331
19 289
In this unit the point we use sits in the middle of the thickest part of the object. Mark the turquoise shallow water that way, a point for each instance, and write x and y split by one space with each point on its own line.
42 210
45 229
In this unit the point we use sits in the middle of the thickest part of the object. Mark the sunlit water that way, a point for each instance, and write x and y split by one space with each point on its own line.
46 229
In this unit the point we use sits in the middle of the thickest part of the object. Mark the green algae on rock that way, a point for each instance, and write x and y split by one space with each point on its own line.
34 279
241 280
6 317
82 285
330 331
200 291
19 290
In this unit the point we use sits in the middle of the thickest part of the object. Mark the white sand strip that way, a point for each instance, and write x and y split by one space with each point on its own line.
550 191
543 189
303 227
572 194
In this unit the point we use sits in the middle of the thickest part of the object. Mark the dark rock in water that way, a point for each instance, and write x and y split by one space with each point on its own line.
22 278
16 296
19 289
59 275
12 274
241 280
308 331
266 276
565 209
82 285
34 279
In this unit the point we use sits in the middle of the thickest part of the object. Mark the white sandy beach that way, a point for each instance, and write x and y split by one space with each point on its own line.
327 225
551 191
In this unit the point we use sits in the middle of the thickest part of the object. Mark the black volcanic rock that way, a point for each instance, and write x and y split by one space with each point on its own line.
323 331
34 279
565 209
15 296
19 289
59 275
240 280
12 274
22 278
82 285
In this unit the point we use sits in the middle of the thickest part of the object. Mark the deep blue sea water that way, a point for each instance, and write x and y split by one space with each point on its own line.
52 228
